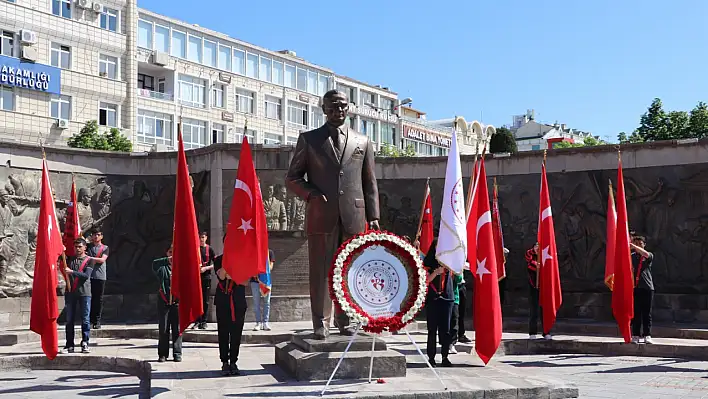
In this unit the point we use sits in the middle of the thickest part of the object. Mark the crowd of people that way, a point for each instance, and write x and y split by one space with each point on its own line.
445 301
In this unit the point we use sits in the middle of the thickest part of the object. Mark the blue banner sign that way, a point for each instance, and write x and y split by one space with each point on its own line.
28 75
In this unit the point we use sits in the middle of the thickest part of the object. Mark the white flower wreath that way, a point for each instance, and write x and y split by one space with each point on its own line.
344 257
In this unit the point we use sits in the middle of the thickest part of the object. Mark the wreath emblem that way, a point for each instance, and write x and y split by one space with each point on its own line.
377 279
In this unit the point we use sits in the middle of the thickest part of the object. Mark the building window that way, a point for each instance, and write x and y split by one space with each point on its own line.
210 53
297 113
154 128
368 128
278 73
195 49
252 66
266 69
217 133
61 56
179 44
7 44
388 133
387 104
368 98
162 39
193 133
144 34
109 19
146 82
272 107
250 134
291 140
270 138
108 66
316 117
312 82
322 85
61 8
239 59
60 107
217 96
290 76
7 98
535 147
301 79
349 91
244 101
352 122
224 58
108 114
191 91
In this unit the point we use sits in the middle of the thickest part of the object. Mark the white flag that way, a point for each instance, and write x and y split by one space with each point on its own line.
452 237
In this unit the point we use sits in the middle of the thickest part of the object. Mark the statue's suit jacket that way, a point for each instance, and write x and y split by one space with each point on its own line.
349 185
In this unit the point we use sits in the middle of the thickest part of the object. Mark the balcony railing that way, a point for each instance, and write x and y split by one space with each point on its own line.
155 95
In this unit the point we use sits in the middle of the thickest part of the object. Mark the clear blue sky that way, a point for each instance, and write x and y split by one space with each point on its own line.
595 65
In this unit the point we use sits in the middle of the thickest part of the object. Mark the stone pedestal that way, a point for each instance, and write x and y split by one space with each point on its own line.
306 358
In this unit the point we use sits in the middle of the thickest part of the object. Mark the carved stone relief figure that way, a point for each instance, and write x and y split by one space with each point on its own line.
84 208
295 208
276 217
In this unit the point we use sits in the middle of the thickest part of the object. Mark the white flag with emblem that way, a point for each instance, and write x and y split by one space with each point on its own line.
451 250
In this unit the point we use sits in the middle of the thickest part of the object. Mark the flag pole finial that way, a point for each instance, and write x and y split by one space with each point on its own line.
545 154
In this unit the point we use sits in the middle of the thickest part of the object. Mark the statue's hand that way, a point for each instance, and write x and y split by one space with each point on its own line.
374 225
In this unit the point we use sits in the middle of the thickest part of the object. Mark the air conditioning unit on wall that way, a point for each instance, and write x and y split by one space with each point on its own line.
29 54
97 7
160 58
62 124
28 37
86 4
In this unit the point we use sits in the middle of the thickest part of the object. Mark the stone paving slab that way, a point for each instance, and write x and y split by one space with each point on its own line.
198 375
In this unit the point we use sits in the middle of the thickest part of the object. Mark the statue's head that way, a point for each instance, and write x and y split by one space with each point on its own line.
4 196
269 192
335 106
85 196
283 193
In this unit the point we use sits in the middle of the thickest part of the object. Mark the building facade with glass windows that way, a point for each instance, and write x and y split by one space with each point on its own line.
65 62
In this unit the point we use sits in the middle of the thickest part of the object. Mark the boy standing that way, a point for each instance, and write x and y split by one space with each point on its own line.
643 290
80 268
99 252
207 256
167 311
260 290
534 311
230 301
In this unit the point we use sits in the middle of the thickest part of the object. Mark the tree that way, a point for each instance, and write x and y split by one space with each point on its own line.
90 138
633 138
503 141
698 121
653 123
588 141
657 124
391 151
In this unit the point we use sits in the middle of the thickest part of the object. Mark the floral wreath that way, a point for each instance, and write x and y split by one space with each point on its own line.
340 294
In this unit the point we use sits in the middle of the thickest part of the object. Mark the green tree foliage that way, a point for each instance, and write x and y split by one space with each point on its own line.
391 151
588 141
657 124
503 141
90 138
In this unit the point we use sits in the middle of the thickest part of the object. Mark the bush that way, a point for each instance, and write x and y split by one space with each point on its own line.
503 141
89 138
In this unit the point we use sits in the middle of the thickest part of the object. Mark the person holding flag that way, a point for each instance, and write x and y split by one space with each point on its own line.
438 304
623 281
44 310
643 290
79 269
167 311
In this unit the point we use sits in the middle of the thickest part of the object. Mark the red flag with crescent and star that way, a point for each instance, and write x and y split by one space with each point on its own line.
425 235
550 296
44 310
623 289
487 307
186 283
72 228
246 243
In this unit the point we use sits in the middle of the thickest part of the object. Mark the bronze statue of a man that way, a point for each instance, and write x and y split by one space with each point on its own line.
341 194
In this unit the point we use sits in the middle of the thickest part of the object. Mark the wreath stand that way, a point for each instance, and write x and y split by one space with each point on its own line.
371 363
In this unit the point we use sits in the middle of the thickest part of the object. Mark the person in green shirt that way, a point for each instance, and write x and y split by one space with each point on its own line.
458 282
167 311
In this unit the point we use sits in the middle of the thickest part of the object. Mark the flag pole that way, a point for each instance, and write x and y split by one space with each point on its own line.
179 138
63 252
470 192
422 208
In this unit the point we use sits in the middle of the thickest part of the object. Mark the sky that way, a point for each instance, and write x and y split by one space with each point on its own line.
594 65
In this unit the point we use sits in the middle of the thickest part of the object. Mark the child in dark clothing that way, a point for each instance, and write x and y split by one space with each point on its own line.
79 270
167 311
438 303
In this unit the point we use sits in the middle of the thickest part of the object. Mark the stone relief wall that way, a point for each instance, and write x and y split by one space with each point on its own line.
136 215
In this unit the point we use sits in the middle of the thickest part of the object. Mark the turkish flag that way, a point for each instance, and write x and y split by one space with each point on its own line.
550 296
246 244
611 238
498 235
425 233
72 227
487 307
44 309
623 292
186 260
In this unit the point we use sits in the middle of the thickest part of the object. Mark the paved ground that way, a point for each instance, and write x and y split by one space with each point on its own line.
197 376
